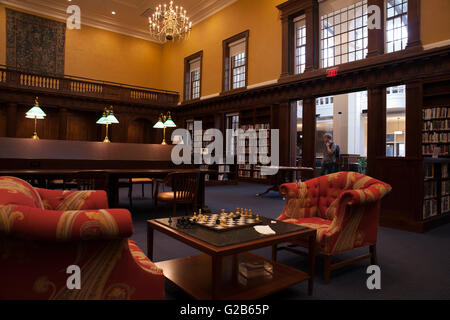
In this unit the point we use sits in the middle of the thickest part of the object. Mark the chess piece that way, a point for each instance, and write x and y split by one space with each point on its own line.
258 218
222 212
250 213
246 212
195 214
200 212
231 215
223 222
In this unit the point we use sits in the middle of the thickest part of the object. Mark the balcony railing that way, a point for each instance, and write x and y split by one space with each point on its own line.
85 87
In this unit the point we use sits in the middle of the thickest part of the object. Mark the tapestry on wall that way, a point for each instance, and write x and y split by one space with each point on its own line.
34 44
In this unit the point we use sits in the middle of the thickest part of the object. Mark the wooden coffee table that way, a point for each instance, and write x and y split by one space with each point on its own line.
215 273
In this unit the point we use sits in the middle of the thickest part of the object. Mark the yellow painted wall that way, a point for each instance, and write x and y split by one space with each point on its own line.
104 55
260 17
435 21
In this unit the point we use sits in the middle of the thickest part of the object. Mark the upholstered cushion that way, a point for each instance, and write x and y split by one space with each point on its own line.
73 200
14 191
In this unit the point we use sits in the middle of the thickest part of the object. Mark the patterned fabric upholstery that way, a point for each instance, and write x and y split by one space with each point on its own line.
38 245
343 207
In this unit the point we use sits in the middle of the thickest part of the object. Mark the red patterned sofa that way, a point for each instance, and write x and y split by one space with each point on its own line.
43 232
344 209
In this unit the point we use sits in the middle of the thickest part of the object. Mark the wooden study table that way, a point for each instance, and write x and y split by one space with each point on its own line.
283 174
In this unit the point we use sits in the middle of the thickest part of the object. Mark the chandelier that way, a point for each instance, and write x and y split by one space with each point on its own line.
169 23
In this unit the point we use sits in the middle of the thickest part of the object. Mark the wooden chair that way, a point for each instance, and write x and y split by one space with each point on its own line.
141 181
184 191
95 180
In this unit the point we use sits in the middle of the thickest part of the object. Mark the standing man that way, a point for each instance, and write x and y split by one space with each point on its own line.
329 155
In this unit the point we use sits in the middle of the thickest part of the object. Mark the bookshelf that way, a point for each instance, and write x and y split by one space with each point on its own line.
225 174
258 119
436 153
436 191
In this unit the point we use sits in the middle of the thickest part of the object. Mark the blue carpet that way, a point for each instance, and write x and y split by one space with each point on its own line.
413 266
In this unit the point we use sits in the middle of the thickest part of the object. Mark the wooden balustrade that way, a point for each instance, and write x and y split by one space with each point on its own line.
86 87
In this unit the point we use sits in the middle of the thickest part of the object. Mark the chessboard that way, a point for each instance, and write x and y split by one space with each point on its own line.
226 222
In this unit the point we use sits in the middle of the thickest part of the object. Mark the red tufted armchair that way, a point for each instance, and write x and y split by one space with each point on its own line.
43 232
344 209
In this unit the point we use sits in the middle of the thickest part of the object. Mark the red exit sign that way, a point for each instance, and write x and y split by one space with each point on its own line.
332 72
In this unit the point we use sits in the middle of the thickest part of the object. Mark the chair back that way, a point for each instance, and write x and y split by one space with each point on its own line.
184 185
93 180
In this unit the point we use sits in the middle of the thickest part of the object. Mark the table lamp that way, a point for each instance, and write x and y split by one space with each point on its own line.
107 119
164 121
35 113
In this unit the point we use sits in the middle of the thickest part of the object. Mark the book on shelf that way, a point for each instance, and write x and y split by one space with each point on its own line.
430 208
430 189
255 269
445 204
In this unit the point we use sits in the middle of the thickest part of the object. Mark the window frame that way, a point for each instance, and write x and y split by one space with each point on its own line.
187 87
385 30
299 67
227 63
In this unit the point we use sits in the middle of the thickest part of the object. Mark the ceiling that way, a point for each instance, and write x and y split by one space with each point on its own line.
130 18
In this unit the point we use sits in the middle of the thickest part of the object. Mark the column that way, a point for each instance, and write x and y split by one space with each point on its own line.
414 119
285 120
312 37
286 48
309 133
376 126
376 36
414 42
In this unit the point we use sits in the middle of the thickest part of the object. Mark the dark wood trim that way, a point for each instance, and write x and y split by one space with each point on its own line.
226 59
11 119
186 78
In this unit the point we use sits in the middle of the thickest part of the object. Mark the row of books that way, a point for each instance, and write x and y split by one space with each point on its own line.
429 149
257 126
256 174
444 170
436 125
435 113
430 189
445 188
430 208
428 170
436 137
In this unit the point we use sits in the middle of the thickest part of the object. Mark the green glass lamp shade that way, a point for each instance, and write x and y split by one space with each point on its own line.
159 125
169 123
102 120
111 119
35 112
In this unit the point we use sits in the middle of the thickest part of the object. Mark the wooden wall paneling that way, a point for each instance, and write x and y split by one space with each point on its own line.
11 119
82 126
62 123
3 120
402 208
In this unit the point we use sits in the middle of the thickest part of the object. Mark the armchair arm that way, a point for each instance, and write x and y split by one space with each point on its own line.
65 226
73 200
356 218
298 202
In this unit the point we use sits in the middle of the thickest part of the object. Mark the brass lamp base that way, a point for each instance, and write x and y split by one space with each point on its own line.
164 142
35 136
106 140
